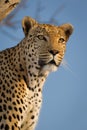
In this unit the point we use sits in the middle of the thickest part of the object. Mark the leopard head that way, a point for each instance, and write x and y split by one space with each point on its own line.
48 41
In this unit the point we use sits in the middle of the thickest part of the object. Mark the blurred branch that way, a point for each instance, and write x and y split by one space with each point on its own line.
39 9
6 6
52 19
9 22
55 13
6 33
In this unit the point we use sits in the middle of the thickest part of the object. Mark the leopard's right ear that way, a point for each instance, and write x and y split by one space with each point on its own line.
27 24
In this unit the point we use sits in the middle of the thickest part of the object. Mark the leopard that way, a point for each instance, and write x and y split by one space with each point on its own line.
24 69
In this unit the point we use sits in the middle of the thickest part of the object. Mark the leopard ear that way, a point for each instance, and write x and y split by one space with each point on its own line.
68 28
27 24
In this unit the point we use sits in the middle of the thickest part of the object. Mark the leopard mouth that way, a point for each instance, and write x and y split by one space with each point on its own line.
47 67
53 62
43 63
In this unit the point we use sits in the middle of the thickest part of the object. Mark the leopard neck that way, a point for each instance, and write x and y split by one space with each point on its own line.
29 67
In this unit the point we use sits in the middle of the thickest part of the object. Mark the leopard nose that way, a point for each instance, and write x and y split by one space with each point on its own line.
54 52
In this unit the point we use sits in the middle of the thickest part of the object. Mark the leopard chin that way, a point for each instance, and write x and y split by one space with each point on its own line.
48 66
46 69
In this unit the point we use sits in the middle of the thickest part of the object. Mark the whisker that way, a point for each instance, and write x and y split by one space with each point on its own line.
66 66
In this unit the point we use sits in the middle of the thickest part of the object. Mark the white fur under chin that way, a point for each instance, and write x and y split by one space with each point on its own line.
49 68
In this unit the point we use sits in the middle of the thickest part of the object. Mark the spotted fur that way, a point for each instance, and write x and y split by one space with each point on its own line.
23 71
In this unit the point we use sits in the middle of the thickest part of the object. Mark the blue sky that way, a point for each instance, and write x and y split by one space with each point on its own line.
65 91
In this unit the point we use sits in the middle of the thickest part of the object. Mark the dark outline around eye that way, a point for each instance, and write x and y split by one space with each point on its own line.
41 37
61 40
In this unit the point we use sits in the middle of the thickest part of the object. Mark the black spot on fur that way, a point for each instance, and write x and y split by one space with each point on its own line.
12 127
0 81
14 103
0 100
1 109
4 107
10 118
21 68
6 127
2 126
25 79
14 116
15 108
3 95
32 117
0 118
6 1
4 116
18 117
9 107
18 101
20 109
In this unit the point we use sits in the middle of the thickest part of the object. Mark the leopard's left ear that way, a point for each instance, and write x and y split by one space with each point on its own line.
68 28
27 24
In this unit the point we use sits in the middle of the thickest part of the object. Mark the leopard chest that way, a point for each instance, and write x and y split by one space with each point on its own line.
32 112
33 103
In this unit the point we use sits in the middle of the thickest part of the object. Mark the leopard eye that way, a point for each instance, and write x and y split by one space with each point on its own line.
61 40
41 37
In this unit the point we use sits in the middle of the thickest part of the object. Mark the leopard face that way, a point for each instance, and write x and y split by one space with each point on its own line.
49 42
